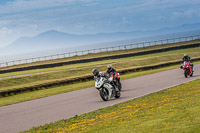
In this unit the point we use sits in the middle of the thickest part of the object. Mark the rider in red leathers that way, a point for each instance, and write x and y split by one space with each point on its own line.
110 71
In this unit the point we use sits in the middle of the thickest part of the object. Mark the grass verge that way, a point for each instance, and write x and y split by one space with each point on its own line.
173 110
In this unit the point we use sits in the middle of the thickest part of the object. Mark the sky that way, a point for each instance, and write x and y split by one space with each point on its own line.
27 18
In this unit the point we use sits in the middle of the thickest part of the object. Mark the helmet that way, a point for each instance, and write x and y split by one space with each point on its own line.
109 67
95 71
185 54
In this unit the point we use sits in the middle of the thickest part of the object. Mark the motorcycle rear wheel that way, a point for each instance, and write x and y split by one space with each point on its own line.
117 94
191 74
119 85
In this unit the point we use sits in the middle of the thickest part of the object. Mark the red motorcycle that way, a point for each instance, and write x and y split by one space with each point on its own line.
187 69
115 79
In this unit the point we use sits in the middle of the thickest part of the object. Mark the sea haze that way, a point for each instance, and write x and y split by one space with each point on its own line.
54 42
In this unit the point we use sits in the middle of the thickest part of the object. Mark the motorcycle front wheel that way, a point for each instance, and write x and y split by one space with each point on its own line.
186 71
104 94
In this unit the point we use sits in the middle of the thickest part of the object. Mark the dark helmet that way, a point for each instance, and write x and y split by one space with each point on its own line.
109 67
95 71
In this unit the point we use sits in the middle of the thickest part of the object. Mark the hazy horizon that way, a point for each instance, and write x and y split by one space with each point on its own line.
42 53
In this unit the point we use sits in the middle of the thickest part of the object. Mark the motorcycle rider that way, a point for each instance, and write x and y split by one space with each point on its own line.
111 70
97 74
188 59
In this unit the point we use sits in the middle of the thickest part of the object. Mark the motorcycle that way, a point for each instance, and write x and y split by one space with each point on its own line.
106 90
187 69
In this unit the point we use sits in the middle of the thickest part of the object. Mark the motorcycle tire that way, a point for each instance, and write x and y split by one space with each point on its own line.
120 86
191 74
186 73
117 94
104 94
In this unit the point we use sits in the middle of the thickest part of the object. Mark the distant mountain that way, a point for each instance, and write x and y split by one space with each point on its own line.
51 40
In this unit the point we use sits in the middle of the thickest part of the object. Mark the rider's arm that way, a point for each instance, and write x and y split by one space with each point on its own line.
183 59
190 59
102 74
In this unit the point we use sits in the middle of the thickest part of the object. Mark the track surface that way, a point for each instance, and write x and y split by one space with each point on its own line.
22 116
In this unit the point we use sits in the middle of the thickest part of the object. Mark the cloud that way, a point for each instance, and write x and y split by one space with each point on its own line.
189 13
4 34
34 26
5 31
27 5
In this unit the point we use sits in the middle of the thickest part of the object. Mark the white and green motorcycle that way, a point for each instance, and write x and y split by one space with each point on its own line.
106 90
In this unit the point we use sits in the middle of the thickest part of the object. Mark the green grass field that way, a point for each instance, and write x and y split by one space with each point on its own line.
172 110
66 72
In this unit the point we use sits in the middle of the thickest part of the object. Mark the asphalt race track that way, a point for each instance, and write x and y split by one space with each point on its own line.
23 116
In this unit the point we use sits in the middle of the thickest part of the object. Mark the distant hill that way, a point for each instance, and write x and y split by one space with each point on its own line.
51 40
